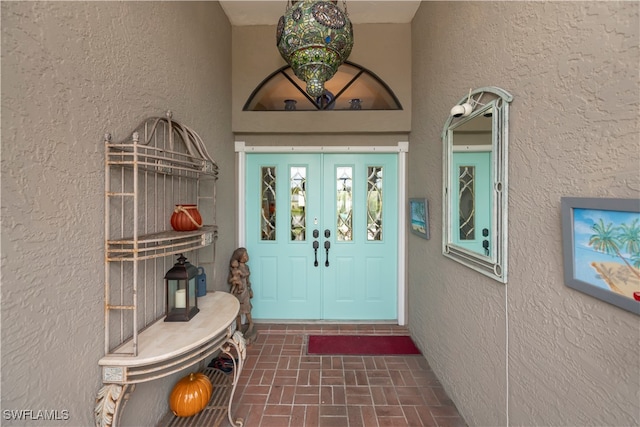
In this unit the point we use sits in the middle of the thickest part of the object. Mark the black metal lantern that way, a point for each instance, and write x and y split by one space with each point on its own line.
180 287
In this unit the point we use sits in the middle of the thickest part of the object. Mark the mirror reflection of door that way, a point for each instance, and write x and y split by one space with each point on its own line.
472 201
321 232
472 195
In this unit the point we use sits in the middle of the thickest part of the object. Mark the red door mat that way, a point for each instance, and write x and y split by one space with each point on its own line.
361 344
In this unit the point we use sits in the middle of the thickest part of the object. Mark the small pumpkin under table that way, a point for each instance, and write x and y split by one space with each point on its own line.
215 408
190 395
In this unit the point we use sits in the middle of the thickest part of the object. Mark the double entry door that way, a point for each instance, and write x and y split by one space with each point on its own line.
322 235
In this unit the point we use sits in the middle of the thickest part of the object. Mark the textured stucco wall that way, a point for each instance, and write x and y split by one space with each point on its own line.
72 71
573 70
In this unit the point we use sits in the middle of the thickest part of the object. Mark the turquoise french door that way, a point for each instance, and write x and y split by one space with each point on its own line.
472 201
321 232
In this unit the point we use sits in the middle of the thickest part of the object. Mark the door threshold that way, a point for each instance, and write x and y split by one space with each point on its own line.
325 322
331 327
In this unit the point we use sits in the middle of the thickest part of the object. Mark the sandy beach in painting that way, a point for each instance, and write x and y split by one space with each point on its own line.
619 277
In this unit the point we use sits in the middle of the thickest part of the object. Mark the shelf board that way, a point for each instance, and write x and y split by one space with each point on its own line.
160 244
159 160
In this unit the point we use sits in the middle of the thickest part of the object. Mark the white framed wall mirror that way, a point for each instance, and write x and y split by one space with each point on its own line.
475 188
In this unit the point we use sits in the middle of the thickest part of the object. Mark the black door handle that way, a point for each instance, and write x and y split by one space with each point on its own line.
327 245
485 242
316 245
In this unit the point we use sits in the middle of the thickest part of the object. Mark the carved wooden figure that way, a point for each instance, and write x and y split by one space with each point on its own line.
240 286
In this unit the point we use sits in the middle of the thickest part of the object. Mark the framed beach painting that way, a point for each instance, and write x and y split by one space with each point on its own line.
419 217
601 246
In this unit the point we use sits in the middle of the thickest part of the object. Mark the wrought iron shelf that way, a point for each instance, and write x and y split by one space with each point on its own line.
160 164
157 160
161 244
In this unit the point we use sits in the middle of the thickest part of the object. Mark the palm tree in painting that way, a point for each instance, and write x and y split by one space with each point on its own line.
606 240
629 237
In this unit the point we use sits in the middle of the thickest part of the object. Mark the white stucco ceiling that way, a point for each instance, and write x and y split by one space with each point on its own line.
267 12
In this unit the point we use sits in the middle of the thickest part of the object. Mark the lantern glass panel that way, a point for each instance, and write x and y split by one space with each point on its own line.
172 288
192 292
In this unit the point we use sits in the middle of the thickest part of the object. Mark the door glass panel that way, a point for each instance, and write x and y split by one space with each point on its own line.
374 203
298 182
344 181
268 195
466 203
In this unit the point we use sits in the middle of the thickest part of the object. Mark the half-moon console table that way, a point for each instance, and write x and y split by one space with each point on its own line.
169 347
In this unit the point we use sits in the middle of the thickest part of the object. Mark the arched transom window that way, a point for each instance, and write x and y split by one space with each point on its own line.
352 88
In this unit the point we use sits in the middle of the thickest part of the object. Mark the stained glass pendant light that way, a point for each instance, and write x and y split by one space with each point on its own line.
315 38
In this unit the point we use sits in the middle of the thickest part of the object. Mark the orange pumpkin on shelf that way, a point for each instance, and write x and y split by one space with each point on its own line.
190 395
186 218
